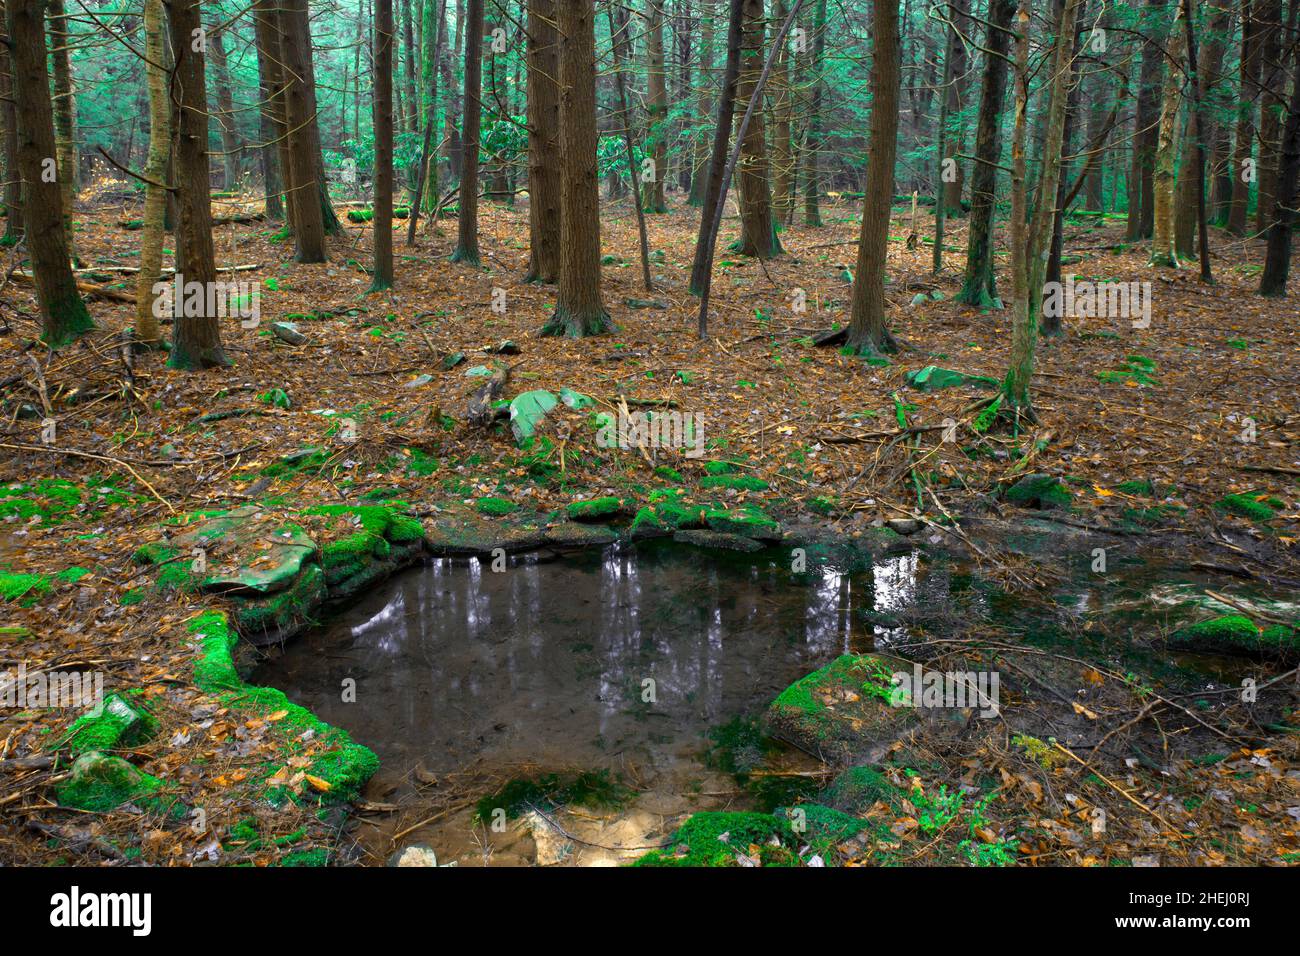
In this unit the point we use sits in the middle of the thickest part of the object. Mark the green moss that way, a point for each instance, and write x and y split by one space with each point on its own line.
670 474
716 838
118 722
821 827
858 789
101 783
596 509
720 467
738 482
1236 633
55 500
495 507
215 669
26 589
317 856
1245 506
748 520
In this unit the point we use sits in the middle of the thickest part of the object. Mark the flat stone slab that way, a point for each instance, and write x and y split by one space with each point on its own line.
246 551
718 540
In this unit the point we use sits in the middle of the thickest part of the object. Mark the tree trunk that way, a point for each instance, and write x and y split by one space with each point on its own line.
868 333
579 309
196 340
1191 172
957 84
230 145
811 208
467 227
13 196
757 229
782 145
700 142
1277 261
1141 207
1163 254
721 141
656 144
544 159
65 121
382 220
1242 174
155 170
1030 272
301 178
980 286
63 314
276 165
1272 83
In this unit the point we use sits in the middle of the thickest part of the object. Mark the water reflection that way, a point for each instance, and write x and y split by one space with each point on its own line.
579 659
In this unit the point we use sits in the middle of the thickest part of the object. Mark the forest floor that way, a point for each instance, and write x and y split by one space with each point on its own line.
1151 430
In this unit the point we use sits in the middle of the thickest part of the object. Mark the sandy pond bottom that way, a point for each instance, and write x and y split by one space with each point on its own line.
617 659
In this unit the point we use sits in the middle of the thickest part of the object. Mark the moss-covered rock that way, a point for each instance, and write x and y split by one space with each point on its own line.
495 507
101 783
1039 491
749 521
117 722
597 509
1238 634
843 711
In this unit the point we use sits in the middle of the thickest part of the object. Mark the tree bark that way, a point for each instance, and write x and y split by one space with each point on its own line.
196 339
1163 254
656 144
1247 87
757 228
63 314
467 225
382 220
544 159
980 286
579 309
812 188
1277 260
155 170
868 332
721 141
65 122
13 194
303 142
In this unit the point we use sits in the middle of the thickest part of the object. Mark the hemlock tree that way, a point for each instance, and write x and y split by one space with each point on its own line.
196 341
579 309
467 226
868 333
63 314
382 220
303 138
